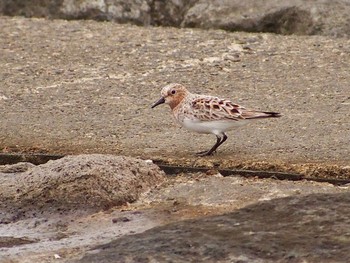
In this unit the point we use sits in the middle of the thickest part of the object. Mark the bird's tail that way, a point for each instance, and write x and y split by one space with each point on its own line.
260 114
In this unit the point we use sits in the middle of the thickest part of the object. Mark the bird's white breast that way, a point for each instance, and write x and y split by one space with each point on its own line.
215 127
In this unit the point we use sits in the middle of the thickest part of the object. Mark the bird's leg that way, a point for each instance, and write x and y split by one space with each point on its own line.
219 141
210 152
224 138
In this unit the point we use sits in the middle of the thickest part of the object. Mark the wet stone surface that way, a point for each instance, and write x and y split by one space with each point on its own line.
292 229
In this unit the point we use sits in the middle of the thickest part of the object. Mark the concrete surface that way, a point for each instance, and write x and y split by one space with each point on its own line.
86 87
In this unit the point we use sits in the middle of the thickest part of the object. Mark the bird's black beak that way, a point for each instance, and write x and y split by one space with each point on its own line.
160 101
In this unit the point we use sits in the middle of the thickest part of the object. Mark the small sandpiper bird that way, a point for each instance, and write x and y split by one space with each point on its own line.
207 114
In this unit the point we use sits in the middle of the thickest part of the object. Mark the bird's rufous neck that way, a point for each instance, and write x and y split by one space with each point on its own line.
176 101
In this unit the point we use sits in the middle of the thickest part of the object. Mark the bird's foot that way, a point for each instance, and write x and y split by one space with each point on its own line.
204 153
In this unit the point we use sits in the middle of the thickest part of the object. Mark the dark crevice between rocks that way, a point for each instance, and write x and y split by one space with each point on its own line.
30 158
171 170
6 241
34 8
176 169
169 13
286 21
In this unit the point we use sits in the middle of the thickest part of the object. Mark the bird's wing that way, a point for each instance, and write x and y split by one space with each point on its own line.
214 109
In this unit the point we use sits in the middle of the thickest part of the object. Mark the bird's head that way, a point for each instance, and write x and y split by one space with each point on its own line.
172 95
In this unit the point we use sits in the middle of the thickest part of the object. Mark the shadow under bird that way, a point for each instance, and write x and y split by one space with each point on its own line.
207 114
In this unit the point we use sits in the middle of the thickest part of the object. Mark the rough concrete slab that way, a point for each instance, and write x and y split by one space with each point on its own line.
75 183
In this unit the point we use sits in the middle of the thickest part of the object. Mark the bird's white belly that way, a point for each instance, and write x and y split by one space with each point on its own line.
215 127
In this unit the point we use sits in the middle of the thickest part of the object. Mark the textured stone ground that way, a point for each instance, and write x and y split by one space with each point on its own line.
86 87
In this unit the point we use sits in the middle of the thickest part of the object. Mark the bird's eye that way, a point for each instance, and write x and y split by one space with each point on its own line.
173 91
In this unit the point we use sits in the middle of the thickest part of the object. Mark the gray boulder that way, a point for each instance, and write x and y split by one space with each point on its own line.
302 17
323 17
135 11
